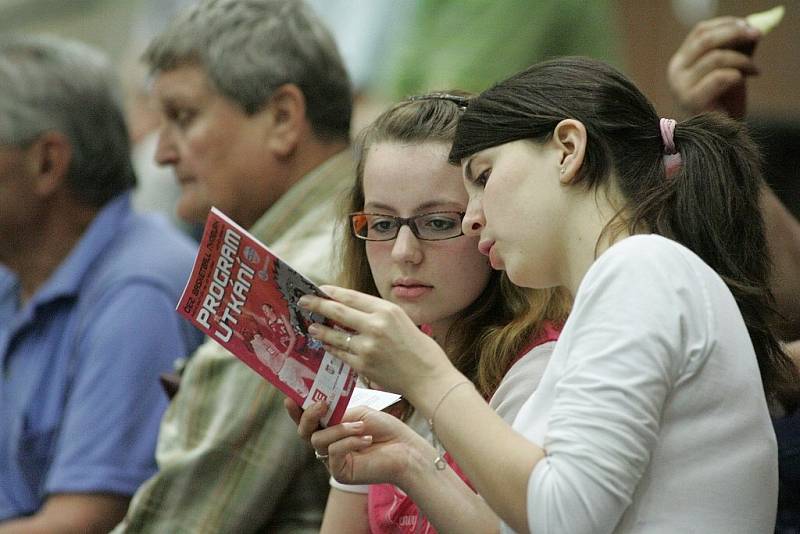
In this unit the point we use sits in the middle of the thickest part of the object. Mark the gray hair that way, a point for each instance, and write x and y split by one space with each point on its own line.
53 84
249 48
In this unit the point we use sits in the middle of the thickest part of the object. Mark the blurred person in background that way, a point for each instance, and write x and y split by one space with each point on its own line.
156 188
255 108
367 34
87 296
709 72
472 45
395 49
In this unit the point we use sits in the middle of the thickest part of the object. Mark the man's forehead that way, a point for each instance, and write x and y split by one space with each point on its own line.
185 82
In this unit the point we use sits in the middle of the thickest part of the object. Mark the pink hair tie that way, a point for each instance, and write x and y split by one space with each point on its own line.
672 158
667 132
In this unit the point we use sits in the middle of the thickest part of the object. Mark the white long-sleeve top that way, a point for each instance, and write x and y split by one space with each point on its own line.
651 411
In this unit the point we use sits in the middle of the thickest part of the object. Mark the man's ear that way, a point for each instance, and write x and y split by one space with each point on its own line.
285 119
569 137
48 160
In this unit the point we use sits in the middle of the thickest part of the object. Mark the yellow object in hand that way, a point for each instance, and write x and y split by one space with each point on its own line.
765 21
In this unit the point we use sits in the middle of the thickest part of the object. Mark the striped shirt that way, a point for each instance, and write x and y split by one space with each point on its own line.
229 457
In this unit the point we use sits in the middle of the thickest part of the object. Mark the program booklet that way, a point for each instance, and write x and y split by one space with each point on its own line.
244 297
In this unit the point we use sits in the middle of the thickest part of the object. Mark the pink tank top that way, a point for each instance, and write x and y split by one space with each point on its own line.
391 511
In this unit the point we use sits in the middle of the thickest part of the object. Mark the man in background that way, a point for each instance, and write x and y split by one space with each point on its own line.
255 106
87 296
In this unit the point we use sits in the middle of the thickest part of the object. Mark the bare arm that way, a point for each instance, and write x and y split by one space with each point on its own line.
471 430
393 453
439 493
793 349
498 460
345 512
512 457
783 240
71 513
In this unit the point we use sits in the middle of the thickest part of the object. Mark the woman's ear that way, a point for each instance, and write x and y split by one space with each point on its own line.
569 137
285 119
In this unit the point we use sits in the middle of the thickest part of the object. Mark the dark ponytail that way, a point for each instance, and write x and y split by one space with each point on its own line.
710 204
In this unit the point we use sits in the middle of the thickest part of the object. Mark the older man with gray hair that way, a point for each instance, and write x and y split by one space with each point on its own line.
87 296
255 105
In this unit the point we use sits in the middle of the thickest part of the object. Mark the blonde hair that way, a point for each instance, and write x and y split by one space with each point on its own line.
489 334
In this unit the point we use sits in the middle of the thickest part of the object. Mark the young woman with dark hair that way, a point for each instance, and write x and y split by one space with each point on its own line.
652 415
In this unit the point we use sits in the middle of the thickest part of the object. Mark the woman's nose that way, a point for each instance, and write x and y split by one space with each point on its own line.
407 248
473 221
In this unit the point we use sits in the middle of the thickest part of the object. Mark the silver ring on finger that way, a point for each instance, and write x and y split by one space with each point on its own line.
347 341
320 456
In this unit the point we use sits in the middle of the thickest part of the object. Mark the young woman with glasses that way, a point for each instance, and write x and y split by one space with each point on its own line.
406 246
653 413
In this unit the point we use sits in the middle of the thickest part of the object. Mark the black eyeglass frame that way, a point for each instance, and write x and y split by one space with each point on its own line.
404 221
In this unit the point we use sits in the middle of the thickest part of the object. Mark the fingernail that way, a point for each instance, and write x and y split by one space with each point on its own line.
327 288
366 439
752 31
356 425
304 301
313 329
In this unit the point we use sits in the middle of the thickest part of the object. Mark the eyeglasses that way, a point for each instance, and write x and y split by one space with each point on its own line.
435 226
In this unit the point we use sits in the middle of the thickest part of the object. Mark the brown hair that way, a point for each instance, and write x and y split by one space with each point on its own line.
710 205
488 334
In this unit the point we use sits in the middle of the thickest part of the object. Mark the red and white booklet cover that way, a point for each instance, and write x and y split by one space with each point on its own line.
244 297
